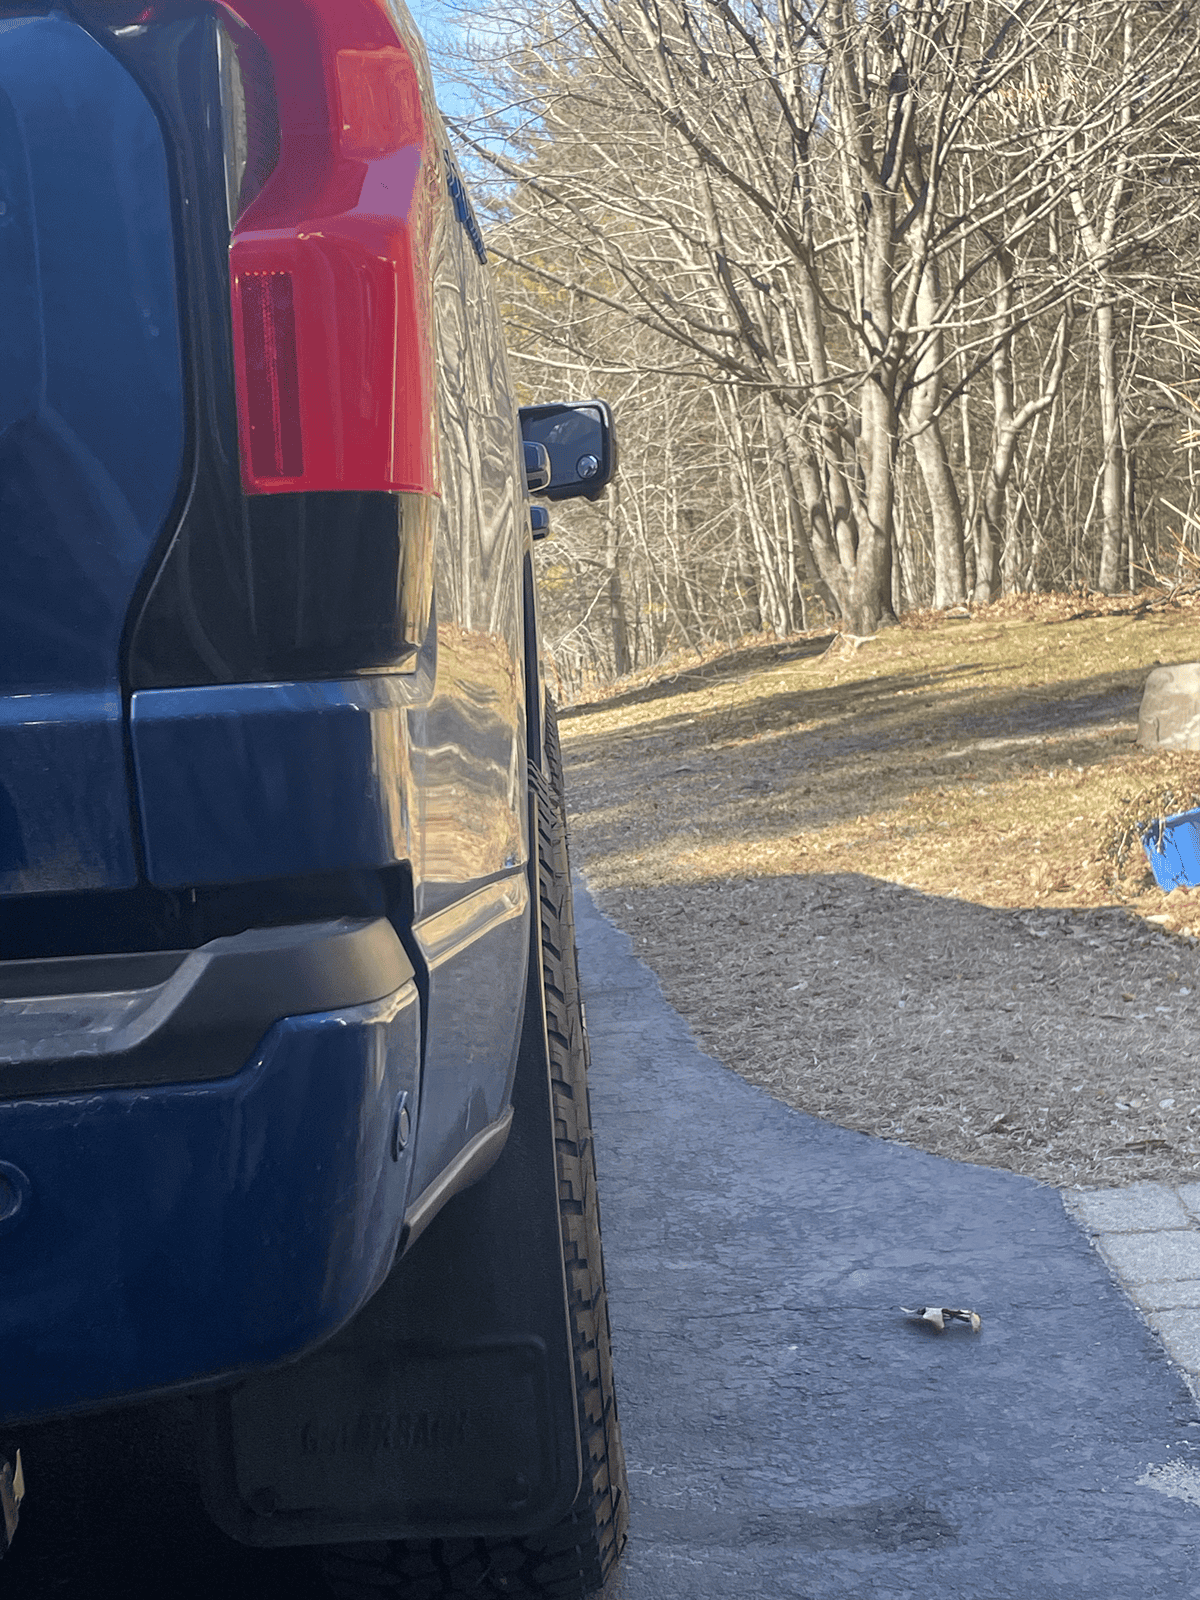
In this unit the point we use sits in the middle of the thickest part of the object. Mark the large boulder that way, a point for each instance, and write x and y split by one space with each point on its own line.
1169 718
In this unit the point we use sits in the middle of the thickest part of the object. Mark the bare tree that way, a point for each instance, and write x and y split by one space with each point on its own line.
859 237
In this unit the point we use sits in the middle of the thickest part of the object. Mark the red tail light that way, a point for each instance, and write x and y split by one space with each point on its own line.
330 258
272 384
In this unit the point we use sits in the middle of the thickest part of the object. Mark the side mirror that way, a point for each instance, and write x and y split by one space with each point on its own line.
537 467
580 442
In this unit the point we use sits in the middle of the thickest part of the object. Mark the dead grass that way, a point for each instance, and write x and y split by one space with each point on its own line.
884 879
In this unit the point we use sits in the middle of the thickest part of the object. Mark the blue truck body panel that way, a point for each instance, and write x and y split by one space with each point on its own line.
175 1231
64 800
91 440
170 777
265 780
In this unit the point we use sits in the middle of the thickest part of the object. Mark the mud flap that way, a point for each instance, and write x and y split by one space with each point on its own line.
12 1492
447 1407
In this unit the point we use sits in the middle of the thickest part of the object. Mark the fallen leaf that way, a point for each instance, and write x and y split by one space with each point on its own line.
938 1316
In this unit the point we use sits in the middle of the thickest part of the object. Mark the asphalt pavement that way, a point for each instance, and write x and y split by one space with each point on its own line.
789 1431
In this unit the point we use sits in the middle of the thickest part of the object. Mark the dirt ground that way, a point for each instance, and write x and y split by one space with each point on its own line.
878 880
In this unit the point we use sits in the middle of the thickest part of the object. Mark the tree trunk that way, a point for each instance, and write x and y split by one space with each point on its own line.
1111 490
810 517
994 557
616 596
870 600
945 507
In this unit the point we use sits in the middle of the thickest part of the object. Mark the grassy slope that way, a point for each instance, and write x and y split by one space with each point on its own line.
877 880
979 759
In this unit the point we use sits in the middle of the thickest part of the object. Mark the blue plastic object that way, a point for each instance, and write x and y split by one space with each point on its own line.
1172 846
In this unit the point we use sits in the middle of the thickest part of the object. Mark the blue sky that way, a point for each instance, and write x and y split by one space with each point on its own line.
431 16
437 22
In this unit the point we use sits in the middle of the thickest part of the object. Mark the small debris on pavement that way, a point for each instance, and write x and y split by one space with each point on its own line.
940 1315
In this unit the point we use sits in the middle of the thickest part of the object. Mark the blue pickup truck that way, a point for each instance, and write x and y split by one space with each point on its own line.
293 1098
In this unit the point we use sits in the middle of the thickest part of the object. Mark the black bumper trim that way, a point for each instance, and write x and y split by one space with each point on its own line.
126 1021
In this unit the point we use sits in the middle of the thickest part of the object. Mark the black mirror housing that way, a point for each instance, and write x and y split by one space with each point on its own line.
581 443
537 467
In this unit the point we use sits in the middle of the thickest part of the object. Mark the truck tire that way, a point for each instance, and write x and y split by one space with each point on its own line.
554 760
597 1523
572 1559
573 998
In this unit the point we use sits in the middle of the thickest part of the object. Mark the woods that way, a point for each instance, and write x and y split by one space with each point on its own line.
896 303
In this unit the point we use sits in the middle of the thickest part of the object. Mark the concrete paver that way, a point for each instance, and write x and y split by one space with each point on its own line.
789 1432
1149 1234
1150 1257
1178 1295
1180 1333
1137 1208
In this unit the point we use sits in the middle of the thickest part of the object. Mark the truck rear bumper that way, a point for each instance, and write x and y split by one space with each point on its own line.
163 1233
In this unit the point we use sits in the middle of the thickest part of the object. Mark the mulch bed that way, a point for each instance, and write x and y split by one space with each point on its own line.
1059 1044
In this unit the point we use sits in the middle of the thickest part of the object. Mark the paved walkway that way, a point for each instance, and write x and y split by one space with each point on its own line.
789 1432
1149 1234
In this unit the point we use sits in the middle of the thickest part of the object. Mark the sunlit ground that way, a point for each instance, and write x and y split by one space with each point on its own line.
881 881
